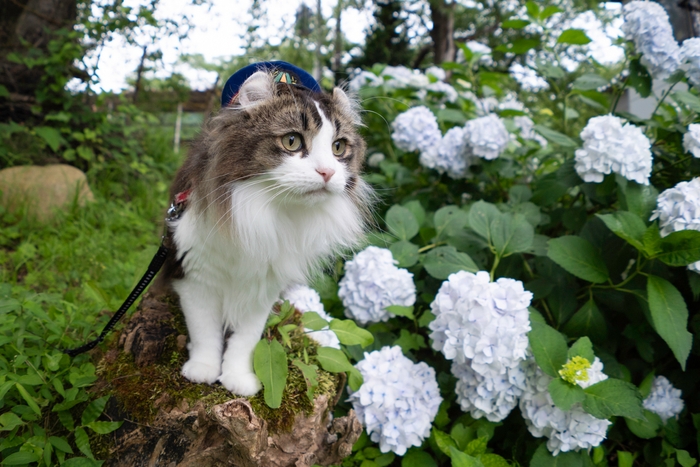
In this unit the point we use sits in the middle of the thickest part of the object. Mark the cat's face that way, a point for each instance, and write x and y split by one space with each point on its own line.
301 146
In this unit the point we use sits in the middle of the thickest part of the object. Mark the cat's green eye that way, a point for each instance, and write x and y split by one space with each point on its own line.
339 147
292 141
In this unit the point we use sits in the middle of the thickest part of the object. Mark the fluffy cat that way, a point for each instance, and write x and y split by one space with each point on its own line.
273 190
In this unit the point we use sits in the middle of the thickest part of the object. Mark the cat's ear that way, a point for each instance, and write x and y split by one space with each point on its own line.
258 88
349 106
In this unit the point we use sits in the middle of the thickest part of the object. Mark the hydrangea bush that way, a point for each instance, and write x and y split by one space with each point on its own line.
536 249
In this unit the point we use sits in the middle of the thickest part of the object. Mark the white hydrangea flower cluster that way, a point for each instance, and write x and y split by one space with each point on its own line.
691 140
441 87
572 430
402 77
397 401
483 326
307 299
371 283
362 79
678 208
647 25
416 130
487 137
609 146
526 127
451 156
437 72
664 400
690 57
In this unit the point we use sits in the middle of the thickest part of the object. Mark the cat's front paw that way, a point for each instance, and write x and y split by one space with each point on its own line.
199 372
243 384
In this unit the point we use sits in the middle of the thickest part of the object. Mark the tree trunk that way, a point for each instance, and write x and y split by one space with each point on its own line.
442 16
181 424
338 43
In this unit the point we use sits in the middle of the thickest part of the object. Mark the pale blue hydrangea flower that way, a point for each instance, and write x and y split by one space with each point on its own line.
690 57
664 400
375 159
526 127
397 401
490 397
487 137
437 72
691 140
528 78
678 208
647 25
572 430
449 93
305 299
416 130
478 48
402 77
451 157
608 147
481 323
371 283
362 79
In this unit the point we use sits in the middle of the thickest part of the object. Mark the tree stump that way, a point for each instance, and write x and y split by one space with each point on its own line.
172 422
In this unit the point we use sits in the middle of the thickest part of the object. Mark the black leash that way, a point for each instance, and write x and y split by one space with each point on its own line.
153 268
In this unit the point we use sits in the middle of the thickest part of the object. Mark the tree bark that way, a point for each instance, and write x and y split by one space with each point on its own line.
442 33
186 433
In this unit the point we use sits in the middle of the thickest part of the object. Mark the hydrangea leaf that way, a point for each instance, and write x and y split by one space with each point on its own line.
573 36
627 226
688 99
647 428
477 447
461 459
511 234
442 261
635 198
544 458
313 321
555 137
587 321
684 458
515 23
449 221
417 209
639 78
333 360
564 394
589 81
551 187
652 240
410 341
270 364
405 252
669 316
613 397
398 310
443 441
583 348
579 257
680 248
350 334
418 459
548 347
481 215
493 460
401 222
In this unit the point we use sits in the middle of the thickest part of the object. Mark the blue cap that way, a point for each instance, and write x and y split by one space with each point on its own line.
283 72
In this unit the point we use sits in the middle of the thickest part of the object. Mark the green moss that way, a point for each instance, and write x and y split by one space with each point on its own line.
138 390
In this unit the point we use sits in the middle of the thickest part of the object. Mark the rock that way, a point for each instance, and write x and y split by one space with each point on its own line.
43 189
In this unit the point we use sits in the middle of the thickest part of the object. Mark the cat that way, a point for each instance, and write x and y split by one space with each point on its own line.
273 190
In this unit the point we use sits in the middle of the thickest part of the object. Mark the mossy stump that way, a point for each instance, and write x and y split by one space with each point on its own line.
172 422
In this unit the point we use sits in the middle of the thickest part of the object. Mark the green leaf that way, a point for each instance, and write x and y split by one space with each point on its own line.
28 398
451 116
647 428
333 360
652 240
625 459
556 137
4 92
83 442
477 446
417 209
583 348
687 98
61 444
104 427
577 256
442 261
589 81
350 334
81 462
460 459
493 460
66 419
514 24
51 136
284 333
443 440
481 215
684 458
310 373
398 310
549 11
354 379
573 36
627 226
9 421
533 10
511 234
20 458
313 321
553 186
520 46
418 459
94 410
401 222
405 252
637 199
564 394
587 321
409 341
270 364
680 248
613 397
449 221
548 347
543 458
669 316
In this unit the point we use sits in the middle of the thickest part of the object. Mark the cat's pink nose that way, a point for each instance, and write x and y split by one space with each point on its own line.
326 174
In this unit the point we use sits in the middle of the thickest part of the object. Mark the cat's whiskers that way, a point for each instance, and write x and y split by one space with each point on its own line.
213 202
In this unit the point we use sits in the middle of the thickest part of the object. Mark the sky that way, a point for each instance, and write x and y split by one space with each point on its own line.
217 31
